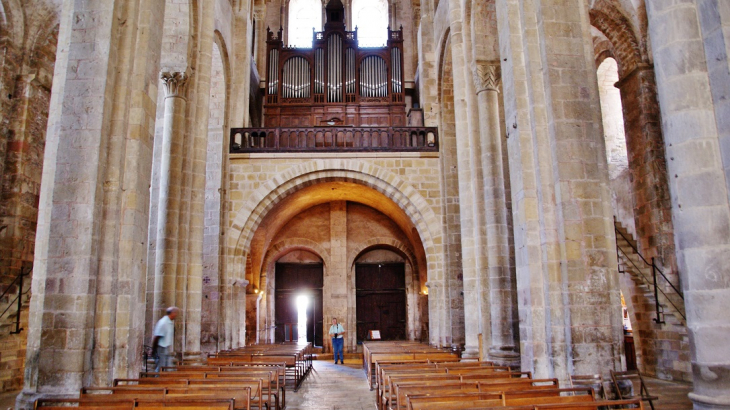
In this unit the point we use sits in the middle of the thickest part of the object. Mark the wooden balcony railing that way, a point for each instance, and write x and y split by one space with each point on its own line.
334 139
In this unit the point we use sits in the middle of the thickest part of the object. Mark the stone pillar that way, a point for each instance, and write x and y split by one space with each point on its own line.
336 277
694 121
175 86
197 169
502 349
85 315
444 317
648 164
567 283
468 189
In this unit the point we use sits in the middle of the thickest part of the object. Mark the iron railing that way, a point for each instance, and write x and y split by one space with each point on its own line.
334 139
18 298
655 270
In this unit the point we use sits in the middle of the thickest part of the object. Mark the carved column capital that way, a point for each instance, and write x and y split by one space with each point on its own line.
175 82
487 76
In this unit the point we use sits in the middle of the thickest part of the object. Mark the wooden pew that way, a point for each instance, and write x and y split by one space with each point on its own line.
402 389
150 404
240 394
260 385
298 358
385 390
399 351
520 398
388 396
277 370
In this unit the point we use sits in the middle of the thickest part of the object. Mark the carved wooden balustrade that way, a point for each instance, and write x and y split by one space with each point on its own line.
334 139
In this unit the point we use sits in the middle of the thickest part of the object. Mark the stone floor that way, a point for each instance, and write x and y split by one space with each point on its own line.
343 387
333 387
672 395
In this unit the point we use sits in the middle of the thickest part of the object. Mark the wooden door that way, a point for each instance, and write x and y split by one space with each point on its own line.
381 300
293 280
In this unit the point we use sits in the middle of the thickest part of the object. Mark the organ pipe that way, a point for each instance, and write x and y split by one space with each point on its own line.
296 78
319 71
334 54
373 77
273 76
336 71
397 70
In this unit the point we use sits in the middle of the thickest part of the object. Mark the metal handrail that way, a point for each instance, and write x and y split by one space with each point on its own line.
655 269
18 298
650 264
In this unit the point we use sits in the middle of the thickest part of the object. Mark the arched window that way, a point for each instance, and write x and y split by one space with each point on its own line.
303 16
371 19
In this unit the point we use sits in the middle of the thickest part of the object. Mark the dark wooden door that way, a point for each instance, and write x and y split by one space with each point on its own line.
381 300
293 280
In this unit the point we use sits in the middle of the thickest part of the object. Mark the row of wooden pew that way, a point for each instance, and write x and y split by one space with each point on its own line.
242 379
438 382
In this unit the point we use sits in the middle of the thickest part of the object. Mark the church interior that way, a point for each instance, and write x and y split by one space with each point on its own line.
543 185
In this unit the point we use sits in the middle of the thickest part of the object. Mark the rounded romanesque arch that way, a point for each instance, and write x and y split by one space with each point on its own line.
285 246
385 243
403 195
618 30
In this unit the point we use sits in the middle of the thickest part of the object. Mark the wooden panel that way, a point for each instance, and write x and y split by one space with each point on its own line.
381 300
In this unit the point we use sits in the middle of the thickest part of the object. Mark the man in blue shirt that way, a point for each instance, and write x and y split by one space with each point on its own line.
164 336
336 331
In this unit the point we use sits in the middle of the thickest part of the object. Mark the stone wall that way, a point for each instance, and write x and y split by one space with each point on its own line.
414 178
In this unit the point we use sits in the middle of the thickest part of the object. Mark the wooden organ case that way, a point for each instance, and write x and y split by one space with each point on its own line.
336 82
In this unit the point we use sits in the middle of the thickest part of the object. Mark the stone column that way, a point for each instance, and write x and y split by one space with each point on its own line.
467 182
444 318
502 350
337 277
168 218
694 121
567 283
93 208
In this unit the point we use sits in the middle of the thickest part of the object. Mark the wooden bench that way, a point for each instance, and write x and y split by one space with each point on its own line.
519 398
402 389
437 373
240 394
260 385
388 396
150 404
272 387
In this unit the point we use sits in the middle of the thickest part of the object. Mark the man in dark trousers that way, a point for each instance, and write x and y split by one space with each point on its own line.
337 331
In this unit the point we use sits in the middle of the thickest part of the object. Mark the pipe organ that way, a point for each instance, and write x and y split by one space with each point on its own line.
335 82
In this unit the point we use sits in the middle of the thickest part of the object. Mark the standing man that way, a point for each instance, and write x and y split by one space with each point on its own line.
336 331
163 337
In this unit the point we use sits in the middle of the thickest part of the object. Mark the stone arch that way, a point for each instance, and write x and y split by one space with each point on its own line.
274 252
404 195
285 246
602 47
618 30
12 25
388 243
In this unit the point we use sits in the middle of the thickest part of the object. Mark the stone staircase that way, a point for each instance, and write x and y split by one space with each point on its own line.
662 348
671 304
12 344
